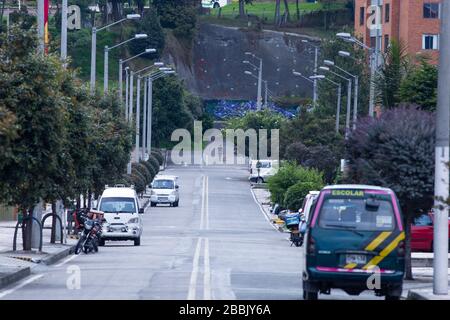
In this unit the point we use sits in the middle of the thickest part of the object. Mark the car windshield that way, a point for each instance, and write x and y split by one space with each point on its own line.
263 165
423 220
163 184
116 205
354 214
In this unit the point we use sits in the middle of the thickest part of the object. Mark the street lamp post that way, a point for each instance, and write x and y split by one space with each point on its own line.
355 98
127 83
441 182
106 61
122 62
266 93
94 45
259 96
316 65
374 64
349 98
339 94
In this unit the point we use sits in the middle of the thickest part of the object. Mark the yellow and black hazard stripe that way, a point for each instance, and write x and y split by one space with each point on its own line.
390 241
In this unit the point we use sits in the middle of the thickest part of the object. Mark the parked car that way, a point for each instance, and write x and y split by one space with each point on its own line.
215 3
267 168
122 213
165 190
308 203
422 233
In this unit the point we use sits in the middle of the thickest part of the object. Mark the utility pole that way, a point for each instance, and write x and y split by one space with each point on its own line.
149 118
93 57
355 102
144 123
338 108
259 99
138 116
127 87
105 71
40 21
316 61
349 108
120 80
441 182
131 94
64 32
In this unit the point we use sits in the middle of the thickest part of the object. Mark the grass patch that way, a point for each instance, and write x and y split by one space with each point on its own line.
266 10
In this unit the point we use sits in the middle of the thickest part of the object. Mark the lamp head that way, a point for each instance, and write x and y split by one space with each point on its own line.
158 64
344 54
133 16
248 72
150 50
324 68
343 35
295 73
328 62
140 36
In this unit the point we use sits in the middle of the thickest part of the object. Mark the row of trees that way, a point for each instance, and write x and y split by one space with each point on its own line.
58 141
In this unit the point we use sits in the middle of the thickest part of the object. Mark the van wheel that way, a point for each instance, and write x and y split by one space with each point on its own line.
259 180
216 5
101 242
175 204
152 204
309 295
137 241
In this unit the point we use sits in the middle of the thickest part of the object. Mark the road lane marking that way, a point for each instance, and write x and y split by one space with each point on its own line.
207 273
20 285
65 261
204 213
194 274
262 210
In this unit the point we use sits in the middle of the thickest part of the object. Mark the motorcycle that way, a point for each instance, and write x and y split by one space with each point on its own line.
91 230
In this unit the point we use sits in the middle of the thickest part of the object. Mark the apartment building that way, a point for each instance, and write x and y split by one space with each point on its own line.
414 22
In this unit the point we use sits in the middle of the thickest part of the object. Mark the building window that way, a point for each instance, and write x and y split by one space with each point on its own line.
387 13
373 42
430 42
431 10
386 42
362 16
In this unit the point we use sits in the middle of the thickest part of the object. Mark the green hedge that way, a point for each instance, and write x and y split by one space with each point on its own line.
154 163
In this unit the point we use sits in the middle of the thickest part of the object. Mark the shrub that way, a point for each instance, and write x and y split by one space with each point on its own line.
289 175
295 195
158 156
150 169
155 164
143 170
138 181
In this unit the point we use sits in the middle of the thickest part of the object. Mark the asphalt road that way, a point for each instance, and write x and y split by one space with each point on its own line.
216 245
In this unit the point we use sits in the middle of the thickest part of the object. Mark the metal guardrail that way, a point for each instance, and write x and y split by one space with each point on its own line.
20 223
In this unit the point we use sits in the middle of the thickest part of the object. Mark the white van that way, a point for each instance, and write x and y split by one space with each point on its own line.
165 190
122 213
215 3
267 168
308 202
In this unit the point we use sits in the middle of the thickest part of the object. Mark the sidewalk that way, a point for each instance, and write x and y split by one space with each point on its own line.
16 265
422 262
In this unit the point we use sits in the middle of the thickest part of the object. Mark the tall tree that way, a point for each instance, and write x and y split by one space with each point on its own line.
397 151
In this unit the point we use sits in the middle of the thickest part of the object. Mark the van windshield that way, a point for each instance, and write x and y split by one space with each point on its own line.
353 214
163 184
118 205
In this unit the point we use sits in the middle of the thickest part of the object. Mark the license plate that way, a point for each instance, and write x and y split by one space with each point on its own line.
356 258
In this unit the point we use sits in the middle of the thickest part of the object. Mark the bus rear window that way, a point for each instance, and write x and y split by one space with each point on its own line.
357 214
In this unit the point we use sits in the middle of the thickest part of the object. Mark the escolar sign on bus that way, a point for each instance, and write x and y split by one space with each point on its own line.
349 193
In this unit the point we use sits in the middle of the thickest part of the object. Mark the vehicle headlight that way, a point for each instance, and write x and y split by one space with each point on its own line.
173 193
133 220
152 193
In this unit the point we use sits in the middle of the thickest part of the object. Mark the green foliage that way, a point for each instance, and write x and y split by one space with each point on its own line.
288 175
395 68
158 156
169 109
150 169
142 169
149 24
154 163
396 151
420 86
295 194
181 16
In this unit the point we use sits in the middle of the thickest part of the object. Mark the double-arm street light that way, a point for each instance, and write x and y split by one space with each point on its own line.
259 97
339 94
265 86
374 64
349 97
330 63
121 63
316 65
94 45
106 61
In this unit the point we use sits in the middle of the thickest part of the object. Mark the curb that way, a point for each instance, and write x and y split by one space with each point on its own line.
14 277
58 256
413 295
423 262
